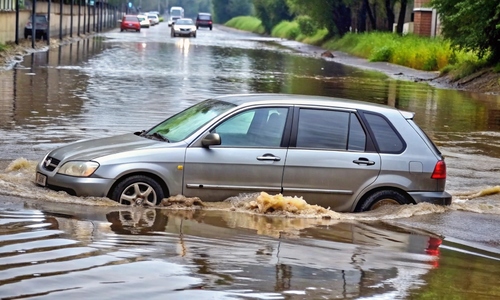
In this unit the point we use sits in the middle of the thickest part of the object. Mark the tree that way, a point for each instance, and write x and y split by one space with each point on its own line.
271 12
335 15
472 25
225 10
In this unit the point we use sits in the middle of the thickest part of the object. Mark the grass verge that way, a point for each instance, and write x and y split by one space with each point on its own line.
421 53
246 23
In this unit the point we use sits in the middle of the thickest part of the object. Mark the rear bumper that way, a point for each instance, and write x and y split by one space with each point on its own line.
438 198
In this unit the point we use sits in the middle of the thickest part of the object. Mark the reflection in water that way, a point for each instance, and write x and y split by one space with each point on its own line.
71 252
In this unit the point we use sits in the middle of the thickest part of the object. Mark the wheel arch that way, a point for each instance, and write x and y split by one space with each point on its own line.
153 176
366 195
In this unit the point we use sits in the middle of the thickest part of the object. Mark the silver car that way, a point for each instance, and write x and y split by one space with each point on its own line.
343 154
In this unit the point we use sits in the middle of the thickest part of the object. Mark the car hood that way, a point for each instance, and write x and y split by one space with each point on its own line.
96 148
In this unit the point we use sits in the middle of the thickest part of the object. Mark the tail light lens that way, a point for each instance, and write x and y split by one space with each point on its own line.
439 170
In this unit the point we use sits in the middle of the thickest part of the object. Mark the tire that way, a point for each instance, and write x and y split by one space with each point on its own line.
210 27
194 35
121 29
137 221
25 36
138 190
382 198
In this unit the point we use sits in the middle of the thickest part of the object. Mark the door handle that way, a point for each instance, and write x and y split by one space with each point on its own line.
363 161
269 156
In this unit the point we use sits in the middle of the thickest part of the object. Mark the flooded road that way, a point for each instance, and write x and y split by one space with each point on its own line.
57 246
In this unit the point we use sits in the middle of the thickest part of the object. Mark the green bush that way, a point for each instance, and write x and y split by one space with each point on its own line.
286 30
246 23
381 54
306 25
423 53
3 47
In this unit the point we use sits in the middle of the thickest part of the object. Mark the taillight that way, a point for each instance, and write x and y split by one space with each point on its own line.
433 246
439 170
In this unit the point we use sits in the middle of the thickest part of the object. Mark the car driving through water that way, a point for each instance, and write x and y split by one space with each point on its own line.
339 153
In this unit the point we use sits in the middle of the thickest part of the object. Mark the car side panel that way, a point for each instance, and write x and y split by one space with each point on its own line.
216 173
329 178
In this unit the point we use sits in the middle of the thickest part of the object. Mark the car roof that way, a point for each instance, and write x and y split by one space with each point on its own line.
269 98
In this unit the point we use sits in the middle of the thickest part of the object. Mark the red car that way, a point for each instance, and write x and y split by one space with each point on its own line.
130 22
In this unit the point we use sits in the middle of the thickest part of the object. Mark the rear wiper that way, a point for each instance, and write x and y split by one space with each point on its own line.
158 136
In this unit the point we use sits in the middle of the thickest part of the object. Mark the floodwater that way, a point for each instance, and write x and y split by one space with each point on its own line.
56 246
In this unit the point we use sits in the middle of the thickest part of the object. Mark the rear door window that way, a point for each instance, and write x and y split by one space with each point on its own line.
387 138
330 129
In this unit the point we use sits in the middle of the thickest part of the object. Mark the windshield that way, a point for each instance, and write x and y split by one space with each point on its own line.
184 22
185 123
176 12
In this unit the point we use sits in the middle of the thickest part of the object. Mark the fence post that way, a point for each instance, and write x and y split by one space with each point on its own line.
60 19
79 15
33 24
17 22
48 19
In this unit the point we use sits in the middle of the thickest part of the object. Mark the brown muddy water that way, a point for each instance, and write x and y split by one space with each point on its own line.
56 246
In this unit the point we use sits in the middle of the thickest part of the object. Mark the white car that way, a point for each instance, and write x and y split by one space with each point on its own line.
144 20
155 20
183 27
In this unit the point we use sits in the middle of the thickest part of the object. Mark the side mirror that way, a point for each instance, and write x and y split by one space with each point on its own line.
211 139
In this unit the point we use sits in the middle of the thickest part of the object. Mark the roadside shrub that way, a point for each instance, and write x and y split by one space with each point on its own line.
2 47
286 30
422 53
496 68
381 54
247 23
306 25
318 38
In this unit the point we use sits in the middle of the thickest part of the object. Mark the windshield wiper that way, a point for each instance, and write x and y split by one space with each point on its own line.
140 133
157 136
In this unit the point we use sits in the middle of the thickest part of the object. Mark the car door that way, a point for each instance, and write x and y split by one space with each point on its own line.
330 158
250 158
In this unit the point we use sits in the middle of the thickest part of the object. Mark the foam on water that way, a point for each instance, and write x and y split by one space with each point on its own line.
17 179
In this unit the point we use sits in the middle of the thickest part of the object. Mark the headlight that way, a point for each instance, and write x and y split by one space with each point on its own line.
78 168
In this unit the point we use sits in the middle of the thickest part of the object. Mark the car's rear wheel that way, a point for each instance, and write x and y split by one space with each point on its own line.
138 190
383 198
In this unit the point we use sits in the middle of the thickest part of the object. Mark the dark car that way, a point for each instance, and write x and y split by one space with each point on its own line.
204 20
41 26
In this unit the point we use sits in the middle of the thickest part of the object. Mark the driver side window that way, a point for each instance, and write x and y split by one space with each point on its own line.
260 127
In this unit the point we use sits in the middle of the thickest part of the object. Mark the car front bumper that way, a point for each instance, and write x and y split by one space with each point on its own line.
438 198
77 186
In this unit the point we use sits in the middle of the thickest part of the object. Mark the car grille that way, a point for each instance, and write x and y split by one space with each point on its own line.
50 163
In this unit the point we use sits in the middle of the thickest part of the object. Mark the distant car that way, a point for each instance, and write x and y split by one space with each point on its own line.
144 21
172 19
204 20
41 26
183 27
344 154
155 20
130 22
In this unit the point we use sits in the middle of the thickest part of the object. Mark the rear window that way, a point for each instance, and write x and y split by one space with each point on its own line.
386 136
132 19
204 17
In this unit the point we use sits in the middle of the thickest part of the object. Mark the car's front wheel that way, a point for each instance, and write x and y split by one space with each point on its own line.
383 198
138 190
